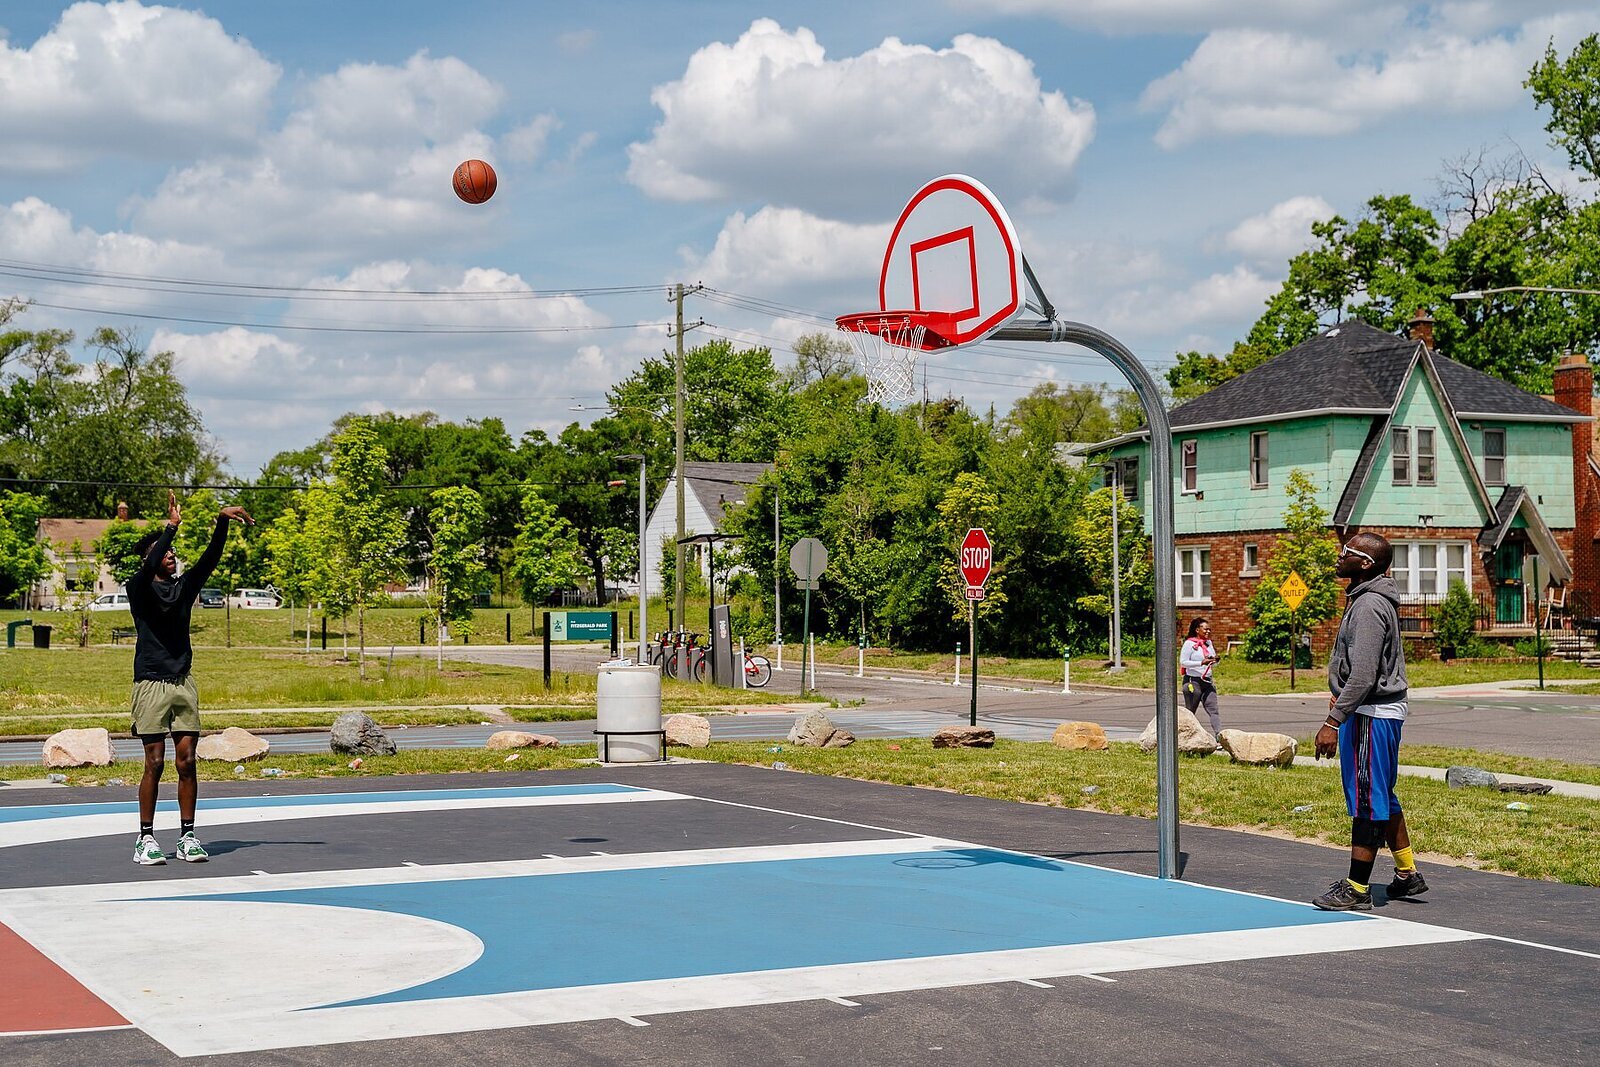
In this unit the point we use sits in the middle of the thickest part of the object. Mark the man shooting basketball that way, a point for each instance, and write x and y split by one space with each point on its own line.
1367 708
164 697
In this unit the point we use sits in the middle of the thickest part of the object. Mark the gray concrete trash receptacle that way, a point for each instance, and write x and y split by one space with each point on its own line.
628 713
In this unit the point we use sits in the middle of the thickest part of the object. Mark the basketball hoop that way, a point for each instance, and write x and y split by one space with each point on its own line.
887 343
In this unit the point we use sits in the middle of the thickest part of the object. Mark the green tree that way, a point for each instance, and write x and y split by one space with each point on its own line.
369 532
326 580
117 549
456 568
22 556
1453 621
1090 534
969 503
545 555
1569 90
1308 548
288 558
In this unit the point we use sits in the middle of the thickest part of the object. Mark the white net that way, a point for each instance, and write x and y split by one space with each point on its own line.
887 348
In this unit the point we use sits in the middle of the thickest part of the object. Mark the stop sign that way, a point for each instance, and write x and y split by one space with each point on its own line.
976 556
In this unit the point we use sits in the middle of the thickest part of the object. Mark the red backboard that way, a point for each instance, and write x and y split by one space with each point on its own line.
977 555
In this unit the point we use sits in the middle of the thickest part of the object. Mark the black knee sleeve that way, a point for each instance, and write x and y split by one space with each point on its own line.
1368 833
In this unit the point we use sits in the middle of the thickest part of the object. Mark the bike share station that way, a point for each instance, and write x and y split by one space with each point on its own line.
755 900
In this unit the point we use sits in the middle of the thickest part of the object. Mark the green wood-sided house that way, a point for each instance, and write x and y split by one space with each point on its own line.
1471 479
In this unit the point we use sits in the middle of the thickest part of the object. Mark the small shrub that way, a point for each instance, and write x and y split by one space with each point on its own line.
1453 621
1531 647
1477 647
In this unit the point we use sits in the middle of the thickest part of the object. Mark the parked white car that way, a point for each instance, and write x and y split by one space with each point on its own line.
254 598
109 602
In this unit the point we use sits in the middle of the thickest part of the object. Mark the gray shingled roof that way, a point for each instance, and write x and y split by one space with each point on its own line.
1352 366
719 484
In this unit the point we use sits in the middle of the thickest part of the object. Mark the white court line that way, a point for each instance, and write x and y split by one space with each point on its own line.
843 1001
1035 984
111 823
631 1021
1098 977
66 1030
1547 948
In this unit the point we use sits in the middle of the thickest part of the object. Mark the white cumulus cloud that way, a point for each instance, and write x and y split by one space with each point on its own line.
125 79
771 118
1279 232
778 248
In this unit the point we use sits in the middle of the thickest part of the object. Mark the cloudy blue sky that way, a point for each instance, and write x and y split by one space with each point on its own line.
1161 159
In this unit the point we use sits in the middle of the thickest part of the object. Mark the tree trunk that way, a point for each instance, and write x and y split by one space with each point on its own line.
599 581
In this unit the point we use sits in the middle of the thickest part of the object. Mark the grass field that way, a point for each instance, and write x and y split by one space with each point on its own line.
1557 839
44 691
1234 674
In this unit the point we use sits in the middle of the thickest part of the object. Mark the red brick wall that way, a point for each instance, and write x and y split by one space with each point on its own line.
1574 388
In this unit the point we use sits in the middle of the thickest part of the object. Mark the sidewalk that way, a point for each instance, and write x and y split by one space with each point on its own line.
1557 787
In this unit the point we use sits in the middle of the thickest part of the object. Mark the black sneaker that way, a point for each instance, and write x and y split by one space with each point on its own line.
1407 885
1342 896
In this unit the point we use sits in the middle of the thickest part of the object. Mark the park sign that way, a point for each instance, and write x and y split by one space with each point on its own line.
580 625
1294 590
976 558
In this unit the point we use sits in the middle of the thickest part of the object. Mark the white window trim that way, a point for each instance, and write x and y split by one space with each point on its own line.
1396 433
1501 458
1184 596
1432 454
1405 580
1266 471
1188 450
1245 570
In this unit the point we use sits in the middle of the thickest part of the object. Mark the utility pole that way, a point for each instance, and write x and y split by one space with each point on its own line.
678 291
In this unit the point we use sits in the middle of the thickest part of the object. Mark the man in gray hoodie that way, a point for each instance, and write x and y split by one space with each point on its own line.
1366 711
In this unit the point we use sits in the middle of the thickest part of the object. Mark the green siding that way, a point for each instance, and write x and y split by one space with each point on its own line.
1451 501
1539 456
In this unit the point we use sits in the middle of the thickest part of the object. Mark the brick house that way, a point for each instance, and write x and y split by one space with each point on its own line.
1471 478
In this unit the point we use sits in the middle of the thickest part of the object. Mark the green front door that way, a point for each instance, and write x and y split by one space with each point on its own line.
1508 598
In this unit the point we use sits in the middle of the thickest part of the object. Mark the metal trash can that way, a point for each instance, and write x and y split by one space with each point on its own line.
41 636
628 713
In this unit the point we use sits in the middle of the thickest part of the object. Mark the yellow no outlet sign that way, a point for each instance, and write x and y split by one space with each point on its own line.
1293 590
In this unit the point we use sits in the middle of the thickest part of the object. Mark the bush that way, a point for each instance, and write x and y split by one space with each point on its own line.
1531 647
1453 621
1477 647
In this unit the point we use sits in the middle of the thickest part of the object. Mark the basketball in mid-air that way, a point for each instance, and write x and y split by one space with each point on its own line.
474 181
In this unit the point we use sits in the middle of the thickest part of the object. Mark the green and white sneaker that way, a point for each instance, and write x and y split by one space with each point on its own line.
190 850
147 852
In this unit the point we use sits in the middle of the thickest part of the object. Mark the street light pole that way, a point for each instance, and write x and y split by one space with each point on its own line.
644 566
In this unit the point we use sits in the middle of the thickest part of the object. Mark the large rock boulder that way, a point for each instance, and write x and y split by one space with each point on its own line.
520 739
355 733
1261 750
1464 777
1080 735
689 731
841 739
233 745
964 737
1193 739
812 730
79 748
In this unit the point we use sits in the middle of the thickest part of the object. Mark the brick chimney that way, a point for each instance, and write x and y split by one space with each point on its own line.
1574 389
1420 328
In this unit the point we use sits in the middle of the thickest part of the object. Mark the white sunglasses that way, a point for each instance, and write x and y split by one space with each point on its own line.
1348 551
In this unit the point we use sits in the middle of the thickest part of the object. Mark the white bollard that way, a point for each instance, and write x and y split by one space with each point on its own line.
1066 673
957 682
813 661
780 656
861 662
740 672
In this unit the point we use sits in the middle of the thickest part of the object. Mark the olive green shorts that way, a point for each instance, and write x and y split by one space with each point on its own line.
165 707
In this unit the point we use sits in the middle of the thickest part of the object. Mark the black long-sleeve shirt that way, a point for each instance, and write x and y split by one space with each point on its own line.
161 607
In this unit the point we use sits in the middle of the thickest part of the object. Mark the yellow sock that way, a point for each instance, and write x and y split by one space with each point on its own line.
1404 861
1357 886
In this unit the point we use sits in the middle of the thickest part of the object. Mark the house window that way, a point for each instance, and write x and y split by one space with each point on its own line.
1425 569
1194 575
1400 449
1125 472
1494 456
1258 460
1425 464
1191 466
1252 559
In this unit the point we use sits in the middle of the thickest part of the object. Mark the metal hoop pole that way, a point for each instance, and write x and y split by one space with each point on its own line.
1166 610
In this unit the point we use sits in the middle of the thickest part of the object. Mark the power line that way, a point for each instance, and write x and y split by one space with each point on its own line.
394 487
431 329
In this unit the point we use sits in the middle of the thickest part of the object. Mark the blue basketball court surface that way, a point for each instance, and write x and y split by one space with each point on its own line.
694 904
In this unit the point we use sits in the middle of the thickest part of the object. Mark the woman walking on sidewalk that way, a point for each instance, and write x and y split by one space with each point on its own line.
1198 657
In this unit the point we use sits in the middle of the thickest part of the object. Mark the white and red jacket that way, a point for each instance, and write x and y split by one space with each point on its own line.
1196 657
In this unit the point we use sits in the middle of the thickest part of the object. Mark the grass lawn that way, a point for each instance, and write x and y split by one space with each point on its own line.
44 691
1559 839
1234 674
1556 840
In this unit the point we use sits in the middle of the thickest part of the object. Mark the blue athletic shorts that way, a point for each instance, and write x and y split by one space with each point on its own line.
1369 755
